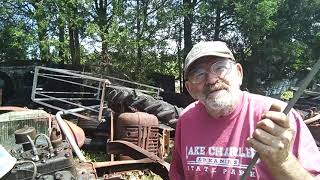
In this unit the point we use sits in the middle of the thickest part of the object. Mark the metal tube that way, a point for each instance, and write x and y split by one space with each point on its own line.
70 99
64 127
59 99
34 84
63 71
122 80
57 75
34 149
66 92
48 142
60 109
102 100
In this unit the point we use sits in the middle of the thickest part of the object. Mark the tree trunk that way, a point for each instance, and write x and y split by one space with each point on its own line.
61 42
44 50
77 46
42 32
138 39
217 21
74 45
74 42
187 26
71 44
180 58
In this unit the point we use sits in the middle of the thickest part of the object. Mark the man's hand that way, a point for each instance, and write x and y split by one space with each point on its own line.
272 138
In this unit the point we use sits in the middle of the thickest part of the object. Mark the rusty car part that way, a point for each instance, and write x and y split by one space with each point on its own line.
21 136
142 159
55 134
139 128
11 121
164 140
77 133
42 159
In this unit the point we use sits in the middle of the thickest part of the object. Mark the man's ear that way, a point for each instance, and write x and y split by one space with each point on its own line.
188 85
240 72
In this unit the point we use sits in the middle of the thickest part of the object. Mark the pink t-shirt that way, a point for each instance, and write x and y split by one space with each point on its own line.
208 148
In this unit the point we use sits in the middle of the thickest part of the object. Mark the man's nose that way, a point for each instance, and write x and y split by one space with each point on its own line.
211 78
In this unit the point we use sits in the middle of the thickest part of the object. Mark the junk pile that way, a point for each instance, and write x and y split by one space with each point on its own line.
309 108
126 121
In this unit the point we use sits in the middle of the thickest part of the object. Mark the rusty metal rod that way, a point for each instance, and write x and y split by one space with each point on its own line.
291 103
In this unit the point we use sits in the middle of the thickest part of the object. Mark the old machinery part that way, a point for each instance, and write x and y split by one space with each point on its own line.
50 147
77 132
50 162
35 155
21 136
142 159
55 135
11 121
165 112
69 136
139 128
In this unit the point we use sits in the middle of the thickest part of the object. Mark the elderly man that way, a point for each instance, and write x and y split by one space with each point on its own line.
217 135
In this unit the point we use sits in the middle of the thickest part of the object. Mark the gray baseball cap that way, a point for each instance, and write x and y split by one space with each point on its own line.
207 48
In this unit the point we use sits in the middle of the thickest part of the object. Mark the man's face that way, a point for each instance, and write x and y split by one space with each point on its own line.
216 82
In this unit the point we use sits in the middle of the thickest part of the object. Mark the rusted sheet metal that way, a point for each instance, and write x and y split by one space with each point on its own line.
143 159
139 128
77 133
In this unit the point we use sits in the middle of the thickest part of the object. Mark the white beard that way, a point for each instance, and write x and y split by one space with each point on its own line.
222 102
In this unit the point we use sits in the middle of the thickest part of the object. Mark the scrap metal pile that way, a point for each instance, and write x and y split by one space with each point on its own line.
309 108
126 121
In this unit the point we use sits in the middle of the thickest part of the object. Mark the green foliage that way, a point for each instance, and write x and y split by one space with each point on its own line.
256 18
95 156
272 39
286 95
143 175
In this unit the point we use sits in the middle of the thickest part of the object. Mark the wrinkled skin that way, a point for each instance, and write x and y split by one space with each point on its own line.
273 137
220 95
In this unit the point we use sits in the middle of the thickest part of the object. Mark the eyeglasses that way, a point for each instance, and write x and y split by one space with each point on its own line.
220 69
